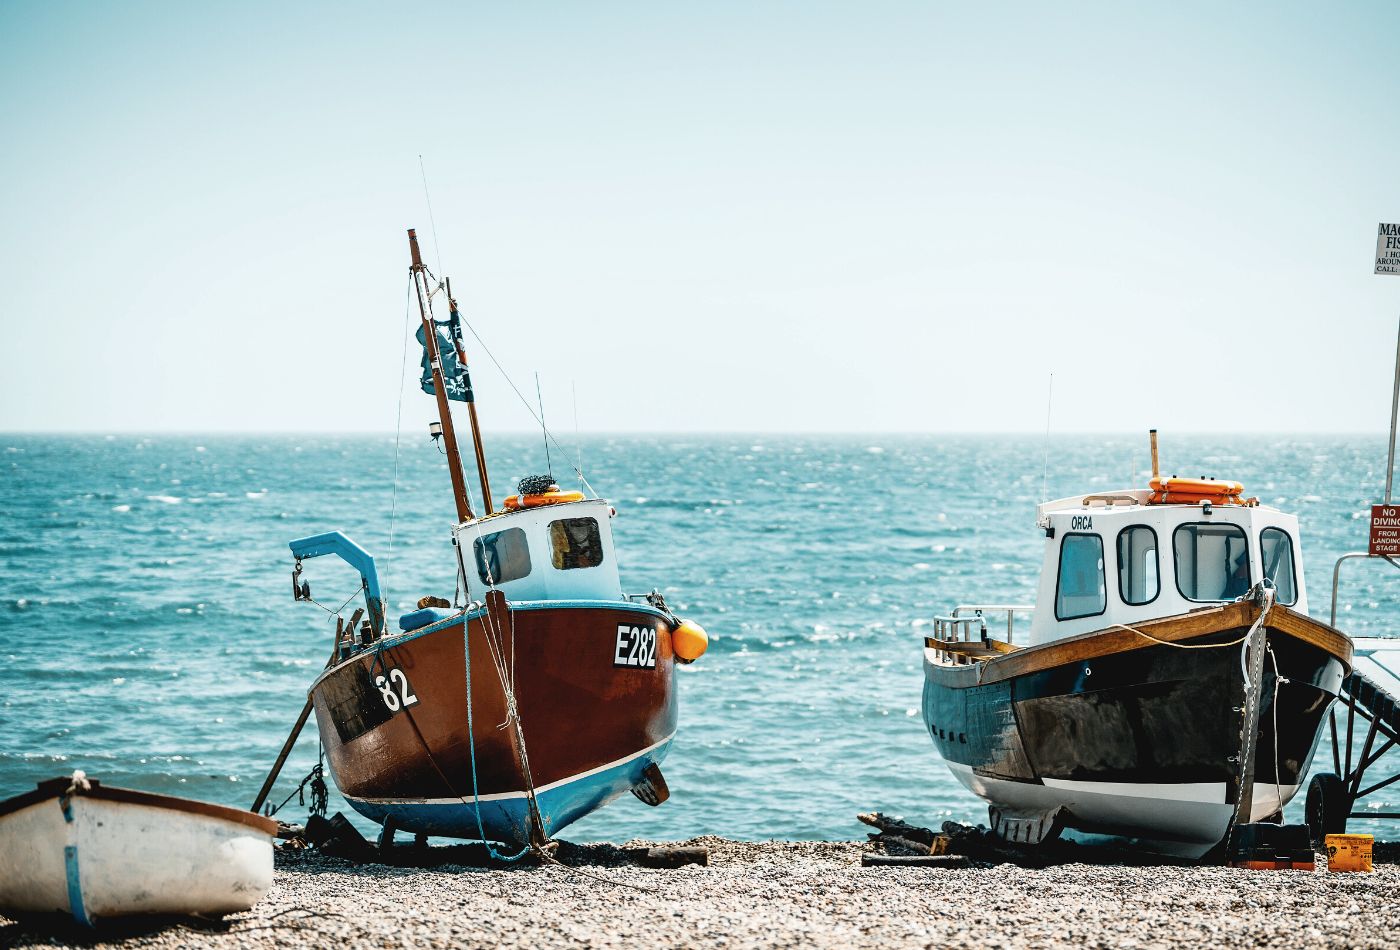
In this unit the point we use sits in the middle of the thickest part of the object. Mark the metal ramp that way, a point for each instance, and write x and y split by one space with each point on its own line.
1370 694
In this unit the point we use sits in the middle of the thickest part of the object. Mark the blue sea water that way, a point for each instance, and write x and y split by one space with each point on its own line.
148 634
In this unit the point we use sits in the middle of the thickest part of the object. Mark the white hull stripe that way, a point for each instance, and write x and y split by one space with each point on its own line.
500 796
1209 792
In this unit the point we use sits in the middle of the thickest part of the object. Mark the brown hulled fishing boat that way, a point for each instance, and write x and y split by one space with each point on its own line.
541 694
1172 686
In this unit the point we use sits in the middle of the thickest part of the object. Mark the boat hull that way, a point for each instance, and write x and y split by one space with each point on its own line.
593 718
1128 737
112 852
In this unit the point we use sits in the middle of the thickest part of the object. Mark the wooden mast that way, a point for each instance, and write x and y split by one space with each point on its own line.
471 409
430 341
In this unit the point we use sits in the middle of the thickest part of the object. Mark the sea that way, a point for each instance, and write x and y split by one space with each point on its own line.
149 636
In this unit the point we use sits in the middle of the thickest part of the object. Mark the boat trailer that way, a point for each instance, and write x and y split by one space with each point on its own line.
1371 694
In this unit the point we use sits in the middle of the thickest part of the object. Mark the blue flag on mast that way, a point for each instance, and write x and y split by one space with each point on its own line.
454 373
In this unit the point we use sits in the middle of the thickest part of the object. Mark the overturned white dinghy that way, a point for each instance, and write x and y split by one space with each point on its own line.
76 846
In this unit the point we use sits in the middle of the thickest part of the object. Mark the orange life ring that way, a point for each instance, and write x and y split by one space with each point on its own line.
1170 490
517 502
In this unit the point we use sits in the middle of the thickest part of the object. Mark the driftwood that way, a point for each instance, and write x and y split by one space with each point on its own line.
898 839
897 828
669 857
871 859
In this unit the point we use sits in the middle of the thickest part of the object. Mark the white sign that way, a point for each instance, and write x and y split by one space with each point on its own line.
1388 249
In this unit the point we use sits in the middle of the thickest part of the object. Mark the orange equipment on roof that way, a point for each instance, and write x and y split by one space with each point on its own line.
1170 490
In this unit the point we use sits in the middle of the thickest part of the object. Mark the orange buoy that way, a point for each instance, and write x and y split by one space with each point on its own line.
556 497
1170 490
690 641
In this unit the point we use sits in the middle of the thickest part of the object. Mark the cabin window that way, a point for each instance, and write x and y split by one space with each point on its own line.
1138 582
503 556
575 542
1212 561
1080 590
1276 550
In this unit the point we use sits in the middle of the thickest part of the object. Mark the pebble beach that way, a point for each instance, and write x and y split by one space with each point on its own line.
774 894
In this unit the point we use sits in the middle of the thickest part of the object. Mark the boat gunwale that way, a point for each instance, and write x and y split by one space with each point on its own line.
56 788
1116 639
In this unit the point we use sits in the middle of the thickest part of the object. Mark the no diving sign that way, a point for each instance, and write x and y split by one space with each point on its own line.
1385 531
1388 249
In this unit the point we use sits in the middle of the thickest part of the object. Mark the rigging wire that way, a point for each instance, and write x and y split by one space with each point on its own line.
1045 472
398 432
523 401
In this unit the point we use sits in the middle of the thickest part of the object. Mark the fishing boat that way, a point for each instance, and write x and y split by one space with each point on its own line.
76 846
1171 684
540 693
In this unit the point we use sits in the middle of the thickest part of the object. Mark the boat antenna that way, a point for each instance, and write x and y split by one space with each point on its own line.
1045 472
437 248
430 342
578 441
544 429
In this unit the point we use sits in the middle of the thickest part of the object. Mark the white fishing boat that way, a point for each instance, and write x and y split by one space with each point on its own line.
79 847
1171 684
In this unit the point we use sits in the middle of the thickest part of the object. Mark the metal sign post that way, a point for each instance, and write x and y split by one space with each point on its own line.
1385 518
1388 262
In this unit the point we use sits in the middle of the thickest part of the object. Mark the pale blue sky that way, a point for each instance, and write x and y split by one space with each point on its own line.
748 216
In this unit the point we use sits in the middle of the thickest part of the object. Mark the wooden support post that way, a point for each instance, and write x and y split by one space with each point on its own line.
281 758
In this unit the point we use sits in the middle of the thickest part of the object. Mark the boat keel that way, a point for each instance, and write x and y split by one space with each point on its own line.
1026 827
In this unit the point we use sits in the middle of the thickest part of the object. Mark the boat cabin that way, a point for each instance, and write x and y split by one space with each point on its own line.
548 552
1123 557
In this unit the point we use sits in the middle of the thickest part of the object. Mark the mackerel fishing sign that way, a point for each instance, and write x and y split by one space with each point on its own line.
1388 249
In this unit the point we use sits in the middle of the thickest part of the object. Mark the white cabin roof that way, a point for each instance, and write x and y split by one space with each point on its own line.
1110 557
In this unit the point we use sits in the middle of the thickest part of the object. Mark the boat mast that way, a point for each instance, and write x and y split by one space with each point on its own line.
471 404
430 340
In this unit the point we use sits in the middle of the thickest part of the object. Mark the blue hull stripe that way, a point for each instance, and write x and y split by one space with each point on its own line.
507 818
75 885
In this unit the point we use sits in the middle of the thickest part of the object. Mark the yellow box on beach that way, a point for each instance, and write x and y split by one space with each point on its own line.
1349 852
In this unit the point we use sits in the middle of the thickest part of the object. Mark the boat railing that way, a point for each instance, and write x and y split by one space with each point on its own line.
969 621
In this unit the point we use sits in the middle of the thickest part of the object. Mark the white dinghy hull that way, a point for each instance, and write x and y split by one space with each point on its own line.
77 847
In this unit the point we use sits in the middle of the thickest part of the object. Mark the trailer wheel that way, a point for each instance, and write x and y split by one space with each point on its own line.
1327 808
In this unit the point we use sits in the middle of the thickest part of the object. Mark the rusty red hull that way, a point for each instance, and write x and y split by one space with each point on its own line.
595 688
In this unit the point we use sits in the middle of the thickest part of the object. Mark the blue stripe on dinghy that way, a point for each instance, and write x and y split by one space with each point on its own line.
508 818
75 885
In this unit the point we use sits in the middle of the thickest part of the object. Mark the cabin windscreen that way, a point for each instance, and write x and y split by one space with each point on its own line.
1276 550
1080 590
1138 575
575 543
502 557
1212 561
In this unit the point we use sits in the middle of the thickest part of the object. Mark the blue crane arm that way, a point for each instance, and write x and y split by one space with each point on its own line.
333 542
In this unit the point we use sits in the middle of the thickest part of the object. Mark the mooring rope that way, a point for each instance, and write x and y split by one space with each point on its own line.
471 753
1268 596
1278 681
